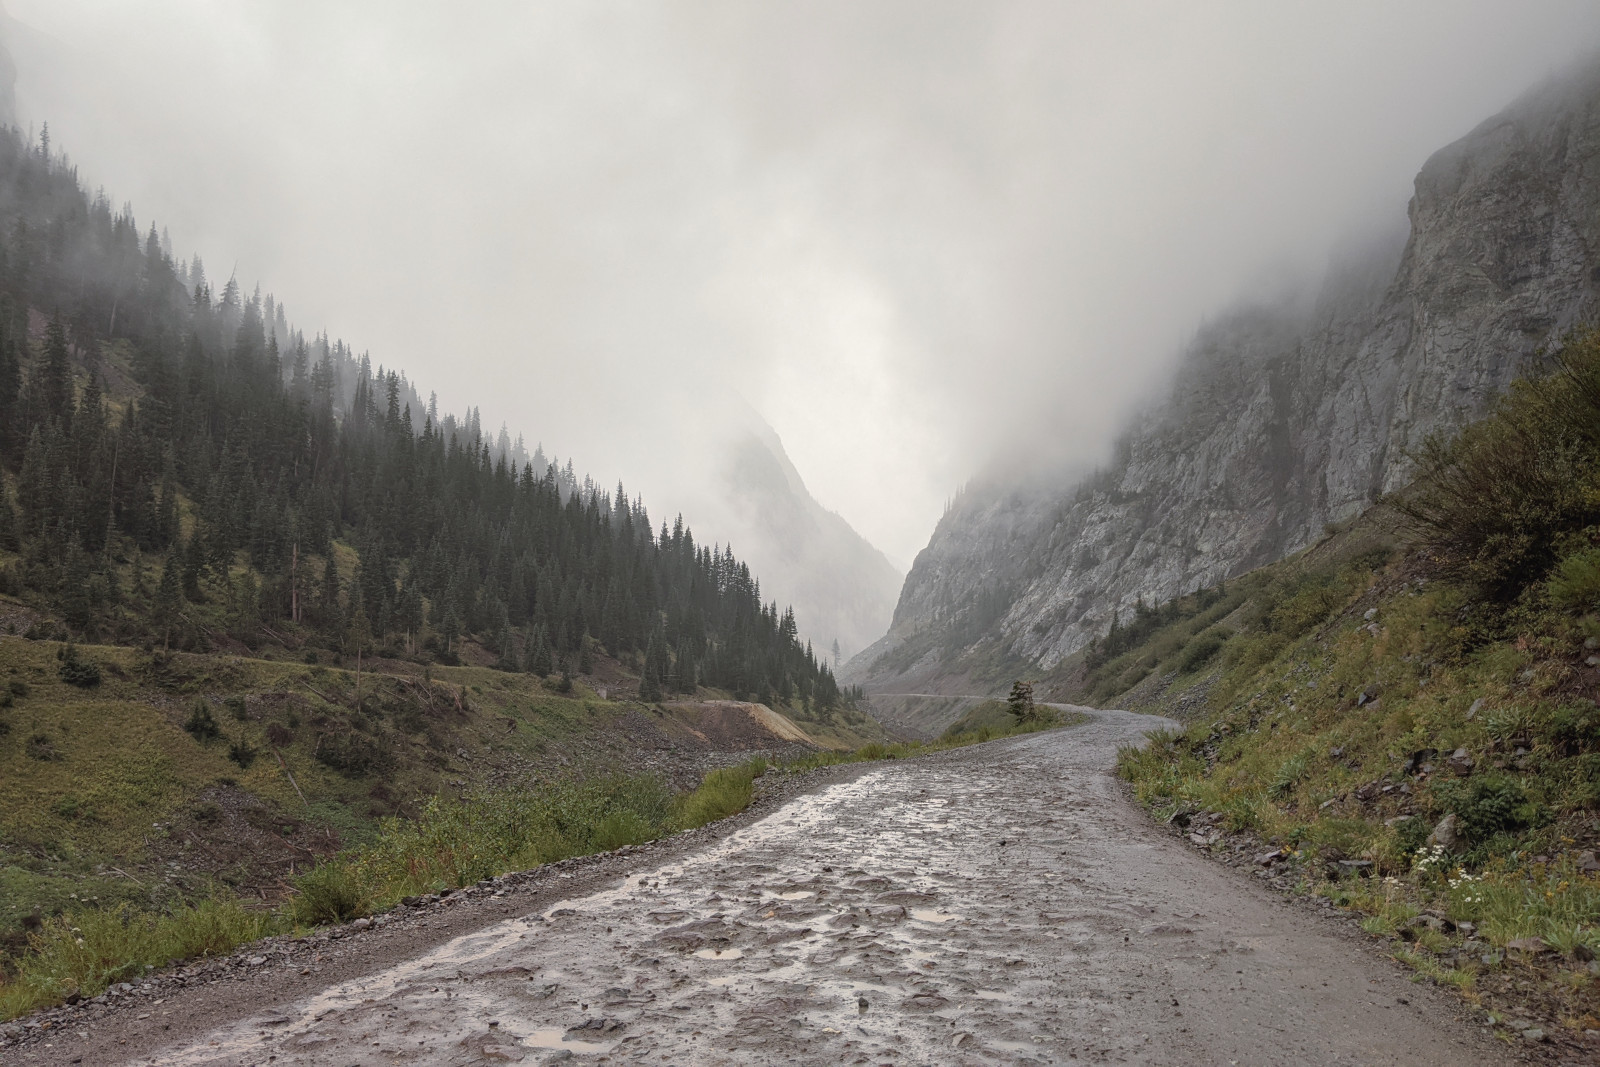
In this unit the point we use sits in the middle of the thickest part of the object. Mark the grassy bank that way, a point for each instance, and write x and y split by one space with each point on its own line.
1407 710
450 843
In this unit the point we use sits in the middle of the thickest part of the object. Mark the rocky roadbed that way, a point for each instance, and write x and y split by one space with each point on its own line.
1004 903
1519 1011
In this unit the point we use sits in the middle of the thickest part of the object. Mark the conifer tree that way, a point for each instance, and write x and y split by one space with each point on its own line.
10 540
169 599
52 382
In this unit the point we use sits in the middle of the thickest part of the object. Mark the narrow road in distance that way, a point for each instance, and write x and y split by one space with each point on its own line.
1004 903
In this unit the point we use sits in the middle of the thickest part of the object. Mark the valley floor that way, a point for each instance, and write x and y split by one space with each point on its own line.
1003 903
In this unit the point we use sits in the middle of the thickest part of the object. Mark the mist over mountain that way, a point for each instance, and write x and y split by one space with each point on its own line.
1282 418
842 588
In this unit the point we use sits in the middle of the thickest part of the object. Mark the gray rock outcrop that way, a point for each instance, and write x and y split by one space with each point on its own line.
1281 420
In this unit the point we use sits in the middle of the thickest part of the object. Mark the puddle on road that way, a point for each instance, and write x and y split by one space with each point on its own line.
556 1039
720 954
932 915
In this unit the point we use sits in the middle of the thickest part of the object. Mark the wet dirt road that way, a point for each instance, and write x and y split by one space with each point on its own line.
999 904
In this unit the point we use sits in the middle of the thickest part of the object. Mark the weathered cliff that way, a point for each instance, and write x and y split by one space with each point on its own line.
1280 420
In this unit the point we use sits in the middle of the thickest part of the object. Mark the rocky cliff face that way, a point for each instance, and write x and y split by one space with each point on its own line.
1282 420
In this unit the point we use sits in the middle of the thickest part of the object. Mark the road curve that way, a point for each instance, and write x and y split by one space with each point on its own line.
1003 903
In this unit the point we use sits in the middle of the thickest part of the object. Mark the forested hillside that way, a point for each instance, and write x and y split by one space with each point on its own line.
183 470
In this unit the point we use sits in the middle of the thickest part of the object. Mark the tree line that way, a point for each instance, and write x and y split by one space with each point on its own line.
181 465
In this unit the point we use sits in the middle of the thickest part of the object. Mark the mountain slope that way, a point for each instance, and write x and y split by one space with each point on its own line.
1280 421
842 588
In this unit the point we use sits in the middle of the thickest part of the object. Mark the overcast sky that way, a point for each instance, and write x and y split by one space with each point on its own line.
913 235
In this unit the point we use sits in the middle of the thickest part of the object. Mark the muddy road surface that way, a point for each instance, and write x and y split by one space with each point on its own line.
999 904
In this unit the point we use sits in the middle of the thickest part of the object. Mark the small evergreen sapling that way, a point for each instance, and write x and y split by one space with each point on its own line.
1023 709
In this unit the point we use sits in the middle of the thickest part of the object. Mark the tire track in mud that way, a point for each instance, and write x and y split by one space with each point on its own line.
1000 904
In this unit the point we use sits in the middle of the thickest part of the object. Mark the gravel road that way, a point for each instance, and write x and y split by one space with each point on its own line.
1004 903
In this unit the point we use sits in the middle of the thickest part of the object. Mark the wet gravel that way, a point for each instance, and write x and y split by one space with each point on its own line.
1004 903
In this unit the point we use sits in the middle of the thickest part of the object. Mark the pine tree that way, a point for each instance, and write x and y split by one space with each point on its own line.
542 662
194 562
10 539
508 650
650 679
169 599
328 614
53 377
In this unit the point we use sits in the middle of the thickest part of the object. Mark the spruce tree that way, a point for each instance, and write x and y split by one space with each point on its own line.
52 383
10 540
169 599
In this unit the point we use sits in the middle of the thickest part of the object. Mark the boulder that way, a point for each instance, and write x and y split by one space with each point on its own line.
1446 834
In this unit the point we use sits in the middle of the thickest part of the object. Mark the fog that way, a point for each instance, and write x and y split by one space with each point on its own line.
919 238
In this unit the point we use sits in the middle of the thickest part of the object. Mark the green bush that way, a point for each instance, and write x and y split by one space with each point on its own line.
331 893
1489 805
1201 651
75 670
353 755
242 752
1290 774
201 723
1575 584
1572 729
1496 501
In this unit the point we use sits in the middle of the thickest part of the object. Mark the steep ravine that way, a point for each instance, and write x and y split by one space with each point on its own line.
1280 421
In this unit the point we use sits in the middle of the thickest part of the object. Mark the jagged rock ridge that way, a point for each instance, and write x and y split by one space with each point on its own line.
1282 420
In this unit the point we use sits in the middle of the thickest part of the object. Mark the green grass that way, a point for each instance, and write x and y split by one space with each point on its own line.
1309 720
86 951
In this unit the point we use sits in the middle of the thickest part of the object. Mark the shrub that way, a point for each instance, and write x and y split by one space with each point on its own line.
1489 805
201 723
75 670
330 893
86 952
1575 584
353 755
1573 729
1201 651
1496 501
621 828
242 752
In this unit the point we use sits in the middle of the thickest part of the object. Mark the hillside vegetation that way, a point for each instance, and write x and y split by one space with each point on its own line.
260 606
1408 708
